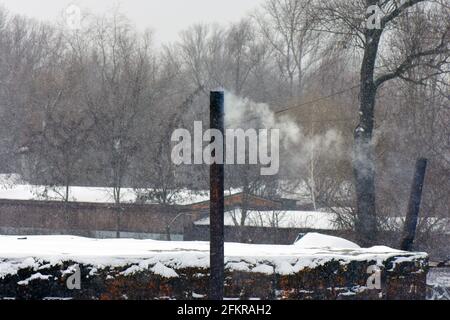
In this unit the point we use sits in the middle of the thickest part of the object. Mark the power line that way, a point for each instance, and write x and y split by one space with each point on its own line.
317 100
308 103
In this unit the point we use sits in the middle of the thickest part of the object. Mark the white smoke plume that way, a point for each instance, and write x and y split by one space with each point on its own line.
297 142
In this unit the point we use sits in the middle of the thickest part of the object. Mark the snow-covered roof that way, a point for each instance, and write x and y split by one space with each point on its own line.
279 219
78 194
12 187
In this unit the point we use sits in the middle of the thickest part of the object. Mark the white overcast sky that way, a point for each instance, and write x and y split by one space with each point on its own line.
165 17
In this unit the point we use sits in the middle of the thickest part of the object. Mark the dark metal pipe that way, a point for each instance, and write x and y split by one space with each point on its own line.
412 215
217 204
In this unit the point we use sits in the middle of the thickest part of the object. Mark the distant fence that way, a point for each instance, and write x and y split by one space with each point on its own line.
92 219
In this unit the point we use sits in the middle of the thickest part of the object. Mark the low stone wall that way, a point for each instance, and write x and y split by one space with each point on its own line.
331 281
181 271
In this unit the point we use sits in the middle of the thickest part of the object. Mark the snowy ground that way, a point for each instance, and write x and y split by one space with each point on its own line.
438 282
439 277
165 257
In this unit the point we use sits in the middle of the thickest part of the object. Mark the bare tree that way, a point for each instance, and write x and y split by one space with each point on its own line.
24 45
288 27
122 65
158 178
350 19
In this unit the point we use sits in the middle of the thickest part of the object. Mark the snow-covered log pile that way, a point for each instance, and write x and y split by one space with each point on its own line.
317 267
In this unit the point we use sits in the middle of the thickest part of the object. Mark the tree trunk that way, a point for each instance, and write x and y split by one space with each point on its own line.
313 181
66 196
364 149
116 192
244 211
168 237
118 222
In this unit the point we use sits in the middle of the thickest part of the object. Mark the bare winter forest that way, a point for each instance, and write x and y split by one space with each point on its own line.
96 106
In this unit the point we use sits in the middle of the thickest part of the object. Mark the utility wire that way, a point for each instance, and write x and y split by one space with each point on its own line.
316 100
309 103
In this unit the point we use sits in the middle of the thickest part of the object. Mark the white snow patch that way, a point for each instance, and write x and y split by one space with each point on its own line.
131 270
197 296
36 276
284 268
400 260
164 271
238 266
93 272
317 240
263 268
70 270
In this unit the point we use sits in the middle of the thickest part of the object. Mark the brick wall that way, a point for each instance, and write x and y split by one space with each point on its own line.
89 219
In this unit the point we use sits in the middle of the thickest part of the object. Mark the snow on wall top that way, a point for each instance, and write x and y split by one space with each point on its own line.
165 257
